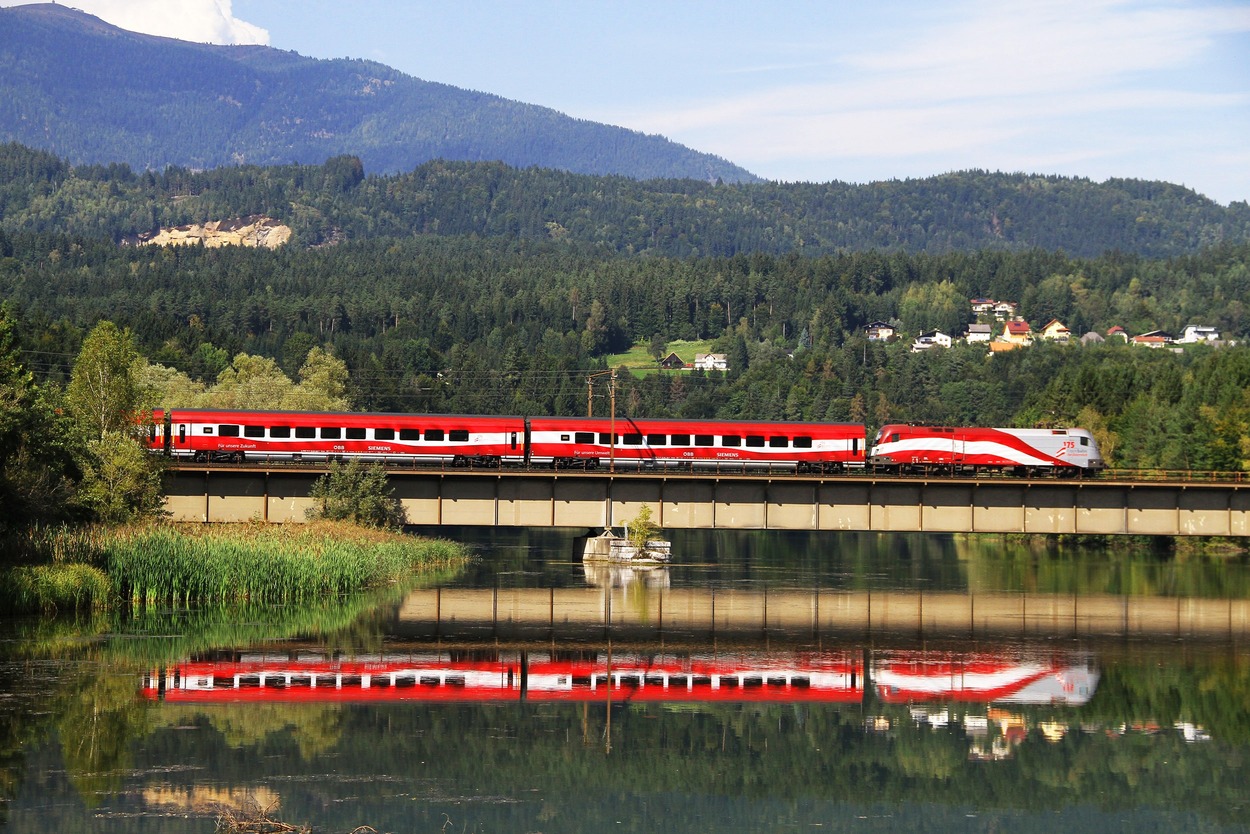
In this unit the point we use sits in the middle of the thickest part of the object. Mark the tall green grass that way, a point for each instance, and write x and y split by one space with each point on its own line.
73 569
266 564
53 588
41 545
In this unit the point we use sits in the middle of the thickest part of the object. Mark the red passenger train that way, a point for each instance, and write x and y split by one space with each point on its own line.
592 442
462 440
830 677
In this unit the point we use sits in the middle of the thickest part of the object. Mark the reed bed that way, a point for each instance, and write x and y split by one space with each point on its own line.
42 545
52 588
264 564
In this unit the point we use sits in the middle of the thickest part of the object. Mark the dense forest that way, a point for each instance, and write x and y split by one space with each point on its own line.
959 212
432 306
472 326
74 85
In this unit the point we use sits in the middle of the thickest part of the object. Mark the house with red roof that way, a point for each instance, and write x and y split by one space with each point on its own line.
1017 331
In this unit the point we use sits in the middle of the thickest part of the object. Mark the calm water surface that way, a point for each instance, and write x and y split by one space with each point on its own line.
736 698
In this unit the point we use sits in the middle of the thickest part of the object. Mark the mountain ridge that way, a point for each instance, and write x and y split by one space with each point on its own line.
336 201
93 93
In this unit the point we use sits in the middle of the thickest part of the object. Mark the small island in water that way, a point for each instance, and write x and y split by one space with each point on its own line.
640 544
608 546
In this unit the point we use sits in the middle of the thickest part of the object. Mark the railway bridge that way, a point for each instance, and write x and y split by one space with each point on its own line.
1112 504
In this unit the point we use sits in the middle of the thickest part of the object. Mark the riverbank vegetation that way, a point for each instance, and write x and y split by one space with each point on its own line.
211 564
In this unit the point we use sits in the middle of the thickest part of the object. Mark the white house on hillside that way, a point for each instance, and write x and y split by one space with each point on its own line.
879 331
1005 310
979 333
930 339
710 362
1194 333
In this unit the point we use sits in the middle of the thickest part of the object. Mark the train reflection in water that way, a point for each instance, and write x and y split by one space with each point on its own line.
783 677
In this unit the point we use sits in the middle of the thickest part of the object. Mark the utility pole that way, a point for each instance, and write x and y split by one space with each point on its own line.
590 410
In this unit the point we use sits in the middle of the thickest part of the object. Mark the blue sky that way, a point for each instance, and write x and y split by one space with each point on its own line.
818 91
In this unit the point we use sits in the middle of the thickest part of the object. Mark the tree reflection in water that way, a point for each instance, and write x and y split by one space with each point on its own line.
144 723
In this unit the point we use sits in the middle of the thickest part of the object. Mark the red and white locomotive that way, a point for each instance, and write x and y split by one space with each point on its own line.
959 450
592 442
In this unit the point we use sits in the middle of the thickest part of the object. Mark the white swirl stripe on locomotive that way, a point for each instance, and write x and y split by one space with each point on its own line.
1050 448
972 453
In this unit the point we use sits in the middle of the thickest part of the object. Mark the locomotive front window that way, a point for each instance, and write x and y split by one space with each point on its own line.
584 437
704 440
731 440
280 431
778 442
657 440
755 440
458 435
433 434
355 434
305 432
383 434
253 431
331 433
680 440
632 439
801 442
228 431
410 434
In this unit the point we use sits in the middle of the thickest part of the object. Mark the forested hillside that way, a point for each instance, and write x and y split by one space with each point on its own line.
460 324
93 93
959 212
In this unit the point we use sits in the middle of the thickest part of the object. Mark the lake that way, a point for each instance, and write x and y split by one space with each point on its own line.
763 681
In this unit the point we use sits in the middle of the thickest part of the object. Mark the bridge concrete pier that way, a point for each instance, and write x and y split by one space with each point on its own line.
739 501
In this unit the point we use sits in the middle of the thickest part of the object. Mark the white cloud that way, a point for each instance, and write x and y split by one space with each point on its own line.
202 21
1022 83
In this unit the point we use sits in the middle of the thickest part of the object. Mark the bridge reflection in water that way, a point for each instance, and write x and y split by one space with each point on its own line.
650 610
